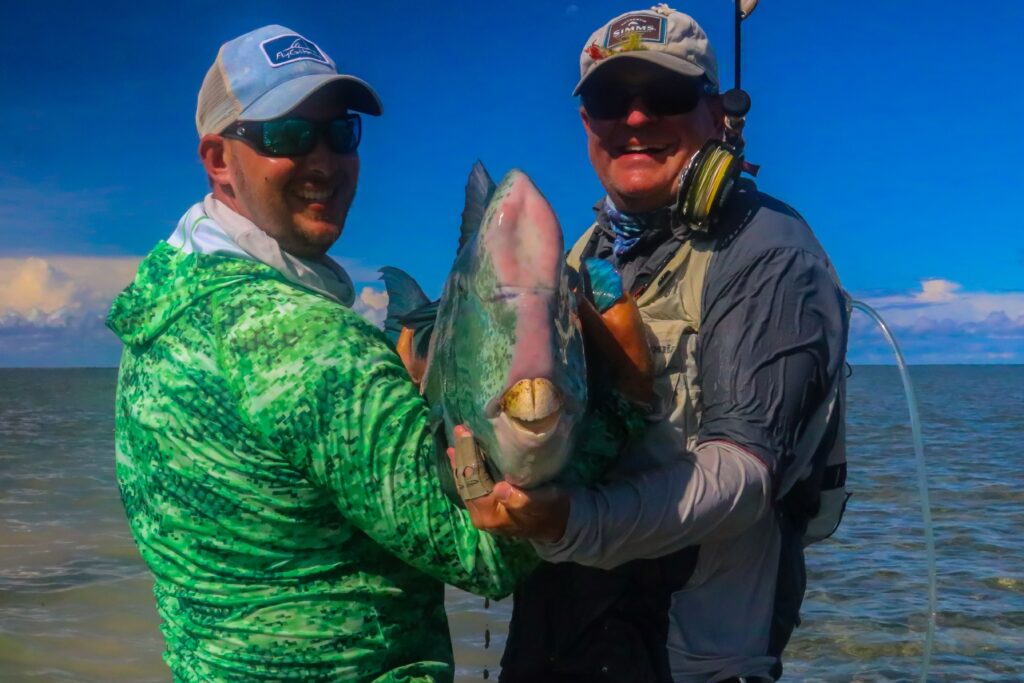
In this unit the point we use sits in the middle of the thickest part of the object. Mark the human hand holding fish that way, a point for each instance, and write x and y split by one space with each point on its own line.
540 514
510 352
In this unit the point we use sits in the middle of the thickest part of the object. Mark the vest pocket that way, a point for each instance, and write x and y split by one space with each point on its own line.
667 344
665 337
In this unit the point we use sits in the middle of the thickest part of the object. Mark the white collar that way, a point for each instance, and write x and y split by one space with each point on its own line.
211 227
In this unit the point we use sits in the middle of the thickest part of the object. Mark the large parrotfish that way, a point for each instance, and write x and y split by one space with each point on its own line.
502 351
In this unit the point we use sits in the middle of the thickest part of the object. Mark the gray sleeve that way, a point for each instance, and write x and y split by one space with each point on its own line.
717 490
772 342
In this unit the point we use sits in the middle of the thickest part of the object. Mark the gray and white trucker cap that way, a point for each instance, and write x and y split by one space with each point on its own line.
268 72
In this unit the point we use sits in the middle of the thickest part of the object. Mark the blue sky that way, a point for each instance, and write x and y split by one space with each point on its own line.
891 126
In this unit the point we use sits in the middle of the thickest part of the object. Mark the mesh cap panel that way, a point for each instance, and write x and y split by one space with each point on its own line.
217 106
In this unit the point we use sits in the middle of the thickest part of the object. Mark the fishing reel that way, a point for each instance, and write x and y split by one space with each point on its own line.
708 180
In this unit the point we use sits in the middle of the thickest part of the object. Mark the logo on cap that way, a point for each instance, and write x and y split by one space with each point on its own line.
649 29
291 48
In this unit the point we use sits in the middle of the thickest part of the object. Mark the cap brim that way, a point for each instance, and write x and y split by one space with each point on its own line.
355 93
661 59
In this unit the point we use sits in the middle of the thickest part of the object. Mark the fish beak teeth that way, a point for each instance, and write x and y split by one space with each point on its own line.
534 405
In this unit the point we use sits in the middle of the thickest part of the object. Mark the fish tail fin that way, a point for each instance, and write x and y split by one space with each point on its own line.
479 190
404 297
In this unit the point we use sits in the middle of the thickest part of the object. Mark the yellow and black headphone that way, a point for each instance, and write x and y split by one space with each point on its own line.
708 179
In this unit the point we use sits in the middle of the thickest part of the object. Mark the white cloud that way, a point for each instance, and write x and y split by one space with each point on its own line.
937 290
33 286
375 298
61 284
372 304
943 323
942 302
52 308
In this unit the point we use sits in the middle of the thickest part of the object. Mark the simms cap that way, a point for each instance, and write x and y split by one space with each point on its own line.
268 72
661 36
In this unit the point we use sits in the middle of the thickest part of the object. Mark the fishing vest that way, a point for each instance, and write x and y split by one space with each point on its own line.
578 624
670 308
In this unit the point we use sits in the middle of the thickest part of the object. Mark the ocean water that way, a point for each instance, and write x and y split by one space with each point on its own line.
75 600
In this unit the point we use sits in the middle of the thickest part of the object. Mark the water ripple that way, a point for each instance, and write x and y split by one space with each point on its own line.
71 581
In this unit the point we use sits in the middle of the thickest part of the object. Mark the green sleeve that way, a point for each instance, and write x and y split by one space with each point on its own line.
324 387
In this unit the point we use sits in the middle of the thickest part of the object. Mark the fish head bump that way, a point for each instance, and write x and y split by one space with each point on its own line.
514 338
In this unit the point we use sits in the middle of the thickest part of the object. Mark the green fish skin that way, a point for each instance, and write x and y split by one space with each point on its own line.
506 355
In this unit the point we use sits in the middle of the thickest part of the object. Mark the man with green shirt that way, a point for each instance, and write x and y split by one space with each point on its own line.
274 459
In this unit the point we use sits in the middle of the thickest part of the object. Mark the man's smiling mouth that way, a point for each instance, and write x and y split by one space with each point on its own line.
312 195
643 149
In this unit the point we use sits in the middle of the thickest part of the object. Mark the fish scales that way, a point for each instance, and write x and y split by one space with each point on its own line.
506 354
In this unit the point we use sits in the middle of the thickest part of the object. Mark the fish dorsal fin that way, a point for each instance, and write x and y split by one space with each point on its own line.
479 190
404 297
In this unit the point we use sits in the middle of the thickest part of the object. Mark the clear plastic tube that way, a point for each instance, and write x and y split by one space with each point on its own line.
922 482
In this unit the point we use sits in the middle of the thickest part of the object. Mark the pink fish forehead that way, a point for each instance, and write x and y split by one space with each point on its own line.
524 240
524 243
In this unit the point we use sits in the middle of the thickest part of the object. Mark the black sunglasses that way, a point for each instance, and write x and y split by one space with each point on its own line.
611 101
294 137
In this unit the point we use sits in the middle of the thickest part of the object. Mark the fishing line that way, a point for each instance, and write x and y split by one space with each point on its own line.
708 189
922 481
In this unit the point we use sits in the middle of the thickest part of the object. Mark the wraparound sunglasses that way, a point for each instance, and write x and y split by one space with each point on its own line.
293 137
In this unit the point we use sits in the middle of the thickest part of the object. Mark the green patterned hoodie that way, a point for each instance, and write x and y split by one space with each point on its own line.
279 478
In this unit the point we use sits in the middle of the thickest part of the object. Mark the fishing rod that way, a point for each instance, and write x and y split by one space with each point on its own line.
708 179
736 101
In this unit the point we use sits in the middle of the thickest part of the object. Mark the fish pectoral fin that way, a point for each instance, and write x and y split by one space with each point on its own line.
415 363
617 339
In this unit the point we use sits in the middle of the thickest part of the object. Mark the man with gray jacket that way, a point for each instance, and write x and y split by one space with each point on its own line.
686 564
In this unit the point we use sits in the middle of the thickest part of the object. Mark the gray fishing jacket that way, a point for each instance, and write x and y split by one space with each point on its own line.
748 333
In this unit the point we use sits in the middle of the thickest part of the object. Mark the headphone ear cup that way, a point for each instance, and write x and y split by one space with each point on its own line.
706 184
